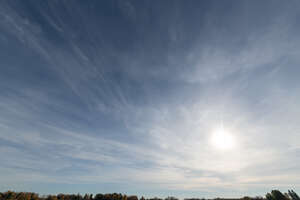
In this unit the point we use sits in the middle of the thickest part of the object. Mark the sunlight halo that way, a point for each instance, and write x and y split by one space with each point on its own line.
221 139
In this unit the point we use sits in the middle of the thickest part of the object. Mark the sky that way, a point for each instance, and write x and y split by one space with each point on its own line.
126 96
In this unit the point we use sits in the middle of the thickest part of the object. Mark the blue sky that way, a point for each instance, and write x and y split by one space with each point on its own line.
124 96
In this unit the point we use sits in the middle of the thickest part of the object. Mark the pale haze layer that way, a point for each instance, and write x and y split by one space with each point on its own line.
154 98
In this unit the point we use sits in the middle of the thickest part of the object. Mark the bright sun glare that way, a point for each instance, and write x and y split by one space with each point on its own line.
222 140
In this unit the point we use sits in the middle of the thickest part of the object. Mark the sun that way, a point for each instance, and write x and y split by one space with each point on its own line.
222 139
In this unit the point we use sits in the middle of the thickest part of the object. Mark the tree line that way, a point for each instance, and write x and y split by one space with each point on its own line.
11 195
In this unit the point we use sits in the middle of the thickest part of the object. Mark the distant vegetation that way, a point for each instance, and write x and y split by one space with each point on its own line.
10 195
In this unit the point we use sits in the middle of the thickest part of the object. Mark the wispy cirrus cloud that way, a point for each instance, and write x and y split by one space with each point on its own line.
129 95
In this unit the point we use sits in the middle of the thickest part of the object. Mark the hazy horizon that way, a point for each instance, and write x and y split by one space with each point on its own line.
154 98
